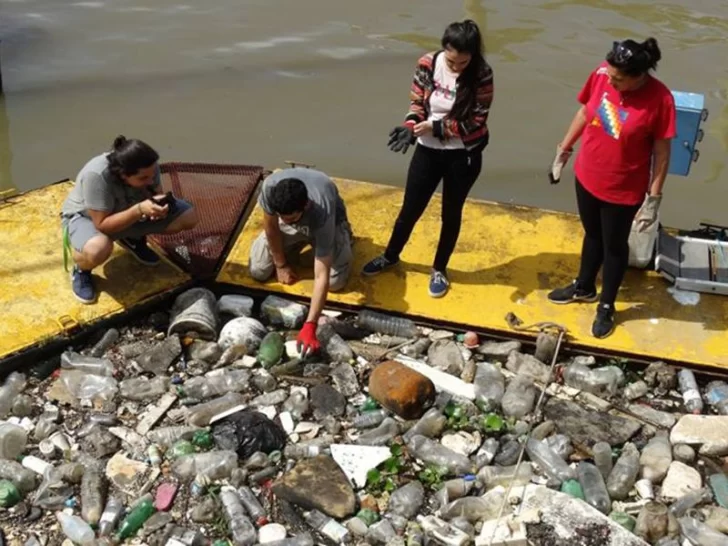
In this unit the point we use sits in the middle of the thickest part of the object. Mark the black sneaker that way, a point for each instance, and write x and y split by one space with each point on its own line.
83 285
603 324
377 265
140 250
574 292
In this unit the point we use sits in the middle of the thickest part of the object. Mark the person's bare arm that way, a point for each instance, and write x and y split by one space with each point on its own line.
321 273
110 223
660 166
284 272
576 128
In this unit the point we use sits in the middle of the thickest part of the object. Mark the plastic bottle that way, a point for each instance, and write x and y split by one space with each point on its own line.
486 453
201 414
442 532
690 392
654 522
592 483
179 536
327 526
716 394
75 529
110 516
139 513
87 386
454 489
107 340
699 533
407 500
690 500
602 453
622 477
22 405
92 502
369 419
216 383
489 386
635 390
47 423
573 488
296 404
14 384
548 461
271 349
381 435
494 476
241 529
283 312
304 539
432 452
656 458
519 397
430 425
561 445
88 364
476 509
253 506
166 436
600 381
719 484
418 348
24 479
386 324
294 451
141 388
334 345
215 464
13 440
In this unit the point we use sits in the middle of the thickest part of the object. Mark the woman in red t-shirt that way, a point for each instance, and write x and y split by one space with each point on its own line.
626 122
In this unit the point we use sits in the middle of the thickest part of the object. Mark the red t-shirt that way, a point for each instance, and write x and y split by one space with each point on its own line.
615 159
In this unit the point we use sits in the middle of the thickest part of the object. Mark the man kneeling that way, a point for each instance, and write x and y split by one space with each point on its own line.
118 197
303 206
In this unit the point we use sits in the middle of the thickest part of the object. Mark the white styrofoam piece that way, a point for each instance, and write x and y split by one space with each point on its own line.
356 461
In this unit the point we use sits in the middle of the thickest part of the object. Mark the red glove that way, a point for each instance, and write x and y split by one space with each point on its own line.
307 343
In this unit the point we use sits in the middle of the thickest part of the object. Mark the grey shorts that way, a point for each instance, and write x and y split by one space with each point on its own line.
81 229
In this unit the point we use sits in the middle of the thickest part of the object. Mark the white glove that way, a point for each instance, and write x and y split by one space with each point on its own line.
647 215
562 157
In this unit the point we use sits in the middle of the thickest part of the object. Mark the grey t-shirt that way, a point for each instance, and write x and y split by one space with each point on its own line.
326 211
97 189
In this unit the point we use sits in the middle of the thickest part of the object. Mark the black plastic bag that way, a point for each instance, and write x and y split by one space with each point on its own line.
248 431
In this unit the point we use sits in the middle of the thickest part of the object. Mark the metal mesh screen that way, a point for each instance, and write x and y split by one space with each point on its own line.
220 193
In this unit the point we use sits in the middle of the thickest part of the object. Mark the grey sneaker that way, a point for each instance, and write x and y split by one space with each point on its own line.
572 293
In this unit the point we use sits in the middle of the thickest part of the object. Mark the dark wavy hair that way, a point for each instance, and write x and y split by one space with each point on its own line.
633 58
465 37
288 196
129 156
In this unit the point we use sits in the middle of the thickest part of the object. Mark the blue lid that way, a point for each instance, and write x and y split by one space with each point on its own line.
694 101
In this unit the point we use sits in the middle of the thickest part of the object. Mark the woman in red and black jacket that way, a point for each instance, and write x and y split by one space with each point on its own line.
450 100
626 123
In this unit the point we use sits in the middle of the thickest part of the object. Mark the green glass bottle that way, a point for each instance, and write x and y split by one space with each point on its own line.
573 488
179 449
134 520
203 439
271 349
625 520
9 494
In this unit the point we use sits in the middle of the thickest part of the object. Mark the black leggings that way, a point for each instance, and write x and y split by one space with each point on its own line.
607 227
458 170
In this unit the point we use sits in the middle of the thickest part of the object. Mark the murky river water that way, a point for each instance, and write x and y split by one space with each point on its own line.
323 82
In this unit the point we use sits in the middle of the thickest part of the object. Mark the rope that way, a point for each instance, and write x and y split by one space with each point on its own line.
516 324
67 249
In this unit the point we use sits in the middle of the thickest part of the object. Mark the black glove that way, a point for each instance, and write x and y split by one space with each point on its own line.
400 139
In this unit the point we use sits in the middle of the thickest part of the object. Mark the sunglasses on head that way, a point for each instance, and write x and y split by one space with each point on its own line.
622 52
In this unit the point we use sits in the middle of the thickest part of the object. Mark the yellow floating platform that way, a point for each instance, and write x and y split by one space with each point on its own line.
36 302
507 259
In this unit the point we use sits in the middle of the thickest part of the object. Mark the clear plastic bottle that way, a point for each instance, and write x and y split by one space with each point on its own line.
13 440
561 445
592 483
380 435
328 527
92 493
430 425
166 436
494 476
88 364
690 391
690 500
656 458
216 383
294 451
241 529
386 324
283 312
486 453
334 345
548 461
304 539
716 394
489 386
14 384
111 515
432 452
622 477
454 489
296 404
699 533
407 500
369 419
476 509
141 388
602 453
635 390
519 397
24 479
110 337
75 529
47 423
272 398
215 464
201 414
252 505
600 381
87 386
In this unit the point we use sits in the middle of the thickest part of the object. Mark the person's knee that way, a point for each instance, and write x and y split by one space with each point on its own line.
338 280
98 249
260 273
187 220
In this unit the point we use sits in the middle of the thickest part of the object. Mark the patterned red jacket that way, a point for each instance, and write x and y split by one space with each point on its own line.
472 131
